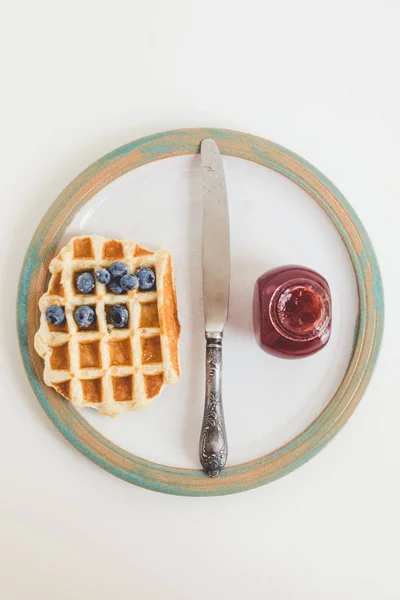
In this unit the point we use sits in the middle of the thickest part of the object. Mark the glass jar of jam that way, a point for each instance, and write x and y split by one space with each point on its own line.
292 311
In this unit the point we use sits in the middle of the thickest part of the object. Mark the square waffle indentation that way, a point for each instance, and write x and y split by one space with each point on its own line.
89 353
140 251
92 389
59 358
83 248
151 350
63 388
120 352
153 384
149 315
75 277
122 388
56 287
113 250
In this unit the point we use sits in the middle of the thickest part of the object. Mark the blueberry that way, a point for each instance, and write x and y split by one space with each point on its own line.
119 316
147 278
103 276
55 315
115 286
85 283
118 269
129 282
84 316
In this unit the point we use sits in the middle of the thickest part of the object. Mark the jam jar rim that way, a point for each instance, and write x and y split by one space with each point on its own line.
297 282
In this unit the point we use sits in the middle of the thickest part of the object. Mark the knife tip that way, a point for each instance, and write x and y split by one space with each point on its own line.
208 144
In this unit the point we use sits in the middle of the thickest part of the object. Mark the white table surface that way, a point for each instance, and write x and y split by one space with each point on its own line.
81 78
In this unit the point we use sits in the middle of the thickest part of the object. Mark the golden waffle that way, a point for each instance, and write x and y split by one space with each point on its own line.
109 369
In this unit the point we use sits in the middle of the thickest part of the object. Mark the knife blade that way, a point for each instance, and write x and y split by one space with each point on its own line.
216 244
216 281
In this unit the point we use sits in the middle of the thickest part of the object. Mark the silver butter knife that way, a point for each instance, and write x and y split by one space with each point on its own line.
216 277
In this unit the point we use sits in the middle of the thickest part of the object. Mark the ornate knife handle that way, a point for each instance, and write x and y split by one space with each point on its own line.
213 443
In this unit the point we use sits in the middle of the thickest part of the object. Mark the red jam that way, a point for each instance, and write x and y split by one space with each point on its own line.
292 311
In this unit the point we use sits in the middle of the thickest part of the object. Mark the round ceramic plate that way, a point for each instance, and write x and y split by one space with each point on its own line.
282 211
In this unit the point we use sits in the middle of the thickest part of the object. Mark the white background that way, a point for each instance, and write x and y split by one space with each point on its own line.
80 78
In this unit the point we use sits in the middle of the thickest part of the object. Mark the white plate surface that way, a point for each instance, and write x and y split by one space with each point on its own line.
267 400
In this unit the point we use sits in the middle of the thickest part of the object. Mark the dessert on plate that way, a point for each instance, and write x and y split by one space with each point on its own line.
109 328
